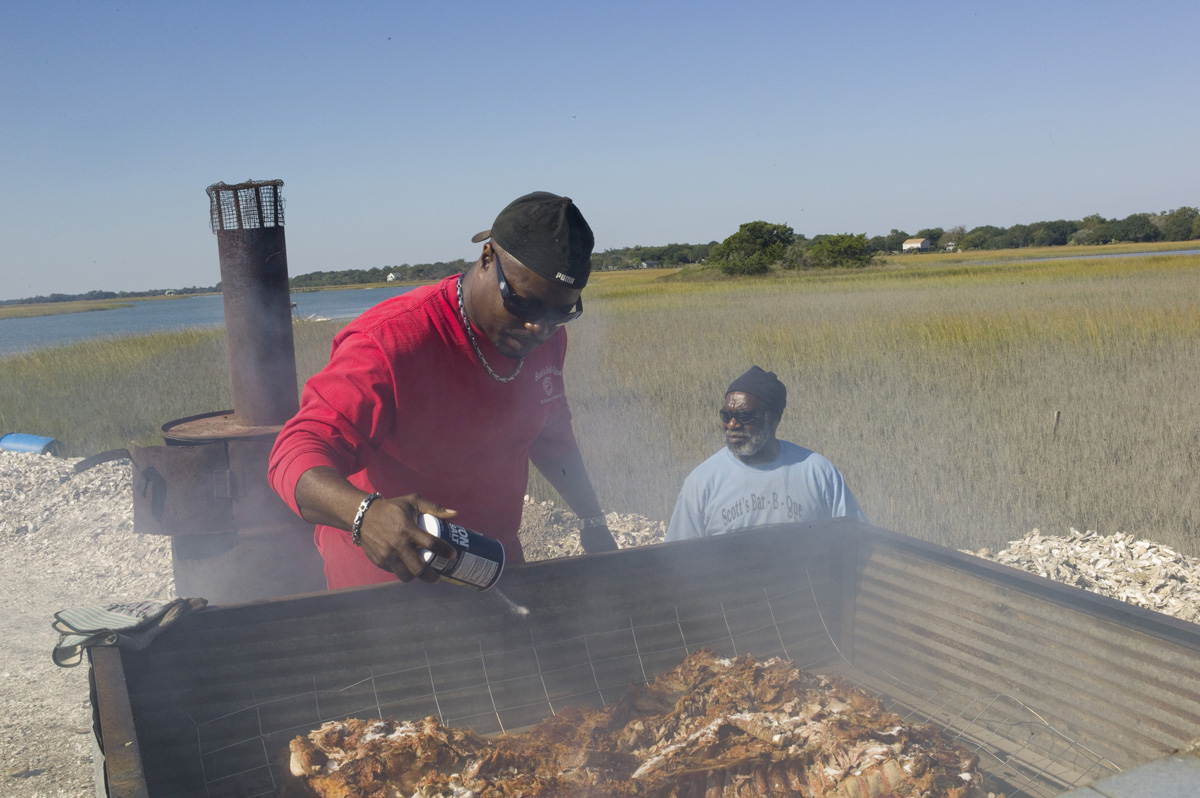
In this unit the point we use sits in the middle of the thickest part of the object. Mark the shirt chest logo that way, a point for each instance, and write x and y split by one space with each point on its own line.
550 385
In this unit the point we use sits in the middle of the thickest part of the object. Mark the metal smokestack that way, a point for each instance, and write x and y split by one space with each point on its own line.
248 221
232 538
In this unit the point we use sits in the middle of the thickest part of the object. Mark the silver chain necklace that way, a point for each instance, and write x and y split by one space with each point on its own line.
462 308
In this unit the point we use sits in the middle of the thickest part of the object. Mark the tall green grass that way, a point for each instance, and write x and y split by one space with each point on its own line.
934 388
107 393
935 391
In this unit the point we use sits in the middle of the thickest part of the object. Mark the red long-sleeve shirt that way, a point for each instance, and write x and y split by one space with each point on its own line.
404 406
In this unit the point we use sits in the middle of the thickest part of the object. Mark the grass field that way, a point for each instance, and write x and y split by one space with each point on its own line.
966 403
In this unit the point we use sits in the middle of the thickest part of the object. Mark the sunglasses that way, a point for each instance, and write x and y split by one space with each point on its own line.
533 310
743 417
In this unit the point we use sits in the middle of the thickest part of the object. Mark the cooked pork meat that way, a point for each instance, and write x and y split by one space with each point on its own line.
711 727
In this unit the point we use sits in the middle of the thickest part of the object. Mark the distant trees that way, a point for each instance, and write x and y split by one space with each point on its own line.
1052 234
844 250
634 257
1180 224
759 246
40 300
985 237
753 249
1136 227
1093 229
404 273
892 242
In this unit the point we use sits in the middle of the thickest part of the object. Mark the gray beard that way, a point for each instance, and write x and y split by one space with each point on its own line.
754 445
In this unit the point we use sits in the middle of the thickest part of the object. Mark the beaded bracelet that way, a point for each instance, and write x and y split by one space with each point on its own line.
356 528
594 521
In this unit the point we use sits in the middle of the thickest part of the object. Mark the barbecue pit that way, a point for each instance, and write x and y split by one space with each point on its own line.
1053 687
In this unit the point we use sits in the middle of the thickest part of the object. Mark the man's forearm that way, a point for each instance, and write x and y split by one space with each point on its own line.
569 477
326 497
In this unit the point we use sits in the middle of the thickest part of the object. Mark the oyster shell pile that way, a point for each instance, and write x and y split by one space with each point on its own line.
549 531
1119 566
711 727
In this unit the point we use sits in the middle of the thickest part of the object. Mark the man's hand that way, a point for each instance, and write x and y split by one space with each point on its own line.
391 534
597 539
392 537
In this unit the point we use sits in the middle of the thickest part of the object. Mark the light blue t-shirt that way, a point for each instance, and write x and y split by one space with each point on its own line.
723 494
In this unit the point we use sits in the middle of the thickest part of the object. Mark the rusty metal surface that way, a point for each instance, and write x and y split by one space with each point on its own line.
219 425
217 699
173 490
122 755
207 489
258 325
233 539
1120 680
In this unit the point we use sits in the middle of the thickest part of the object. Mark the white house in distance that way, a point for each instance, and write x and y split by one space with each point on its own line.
915 245
391 278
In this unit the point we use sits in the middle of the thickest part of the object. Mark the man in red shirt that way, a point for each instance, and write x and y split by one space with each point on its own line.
436 401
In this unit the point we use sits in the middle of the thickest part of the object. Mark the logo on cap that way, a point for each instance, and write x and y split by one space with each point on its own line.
565 278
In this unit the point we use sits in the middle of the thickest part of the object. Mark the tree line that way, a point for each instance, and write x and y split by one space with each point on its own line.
421 272
38 300
1180 224
760 246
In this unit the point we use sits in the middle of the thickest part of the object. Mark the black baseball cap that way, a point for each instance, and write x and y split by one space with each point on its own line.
548 234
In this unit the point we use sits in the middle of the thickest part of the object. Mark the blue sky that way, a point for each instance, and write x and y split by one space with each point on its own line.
400 129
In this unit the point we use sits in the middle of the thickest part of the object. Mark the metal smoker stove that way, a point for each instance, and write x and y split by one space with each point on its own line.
232 539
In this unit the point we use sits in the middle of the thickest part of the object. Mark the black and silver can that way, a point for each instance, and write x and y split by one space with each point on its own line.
480 558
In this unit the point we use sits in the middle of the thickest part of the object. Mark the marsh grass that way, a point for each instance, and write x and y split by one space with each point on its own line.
934 388
106 393
109 392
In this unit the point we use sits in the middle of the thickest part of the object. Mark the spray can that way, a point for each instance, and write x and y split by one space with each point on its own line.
480 558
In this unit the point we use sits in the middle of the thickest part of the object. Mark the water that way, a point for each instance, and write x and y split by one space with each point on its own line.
149 316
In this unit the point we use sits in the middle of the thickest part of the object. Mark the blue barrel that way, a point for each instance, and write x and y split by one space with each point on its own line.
23 442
